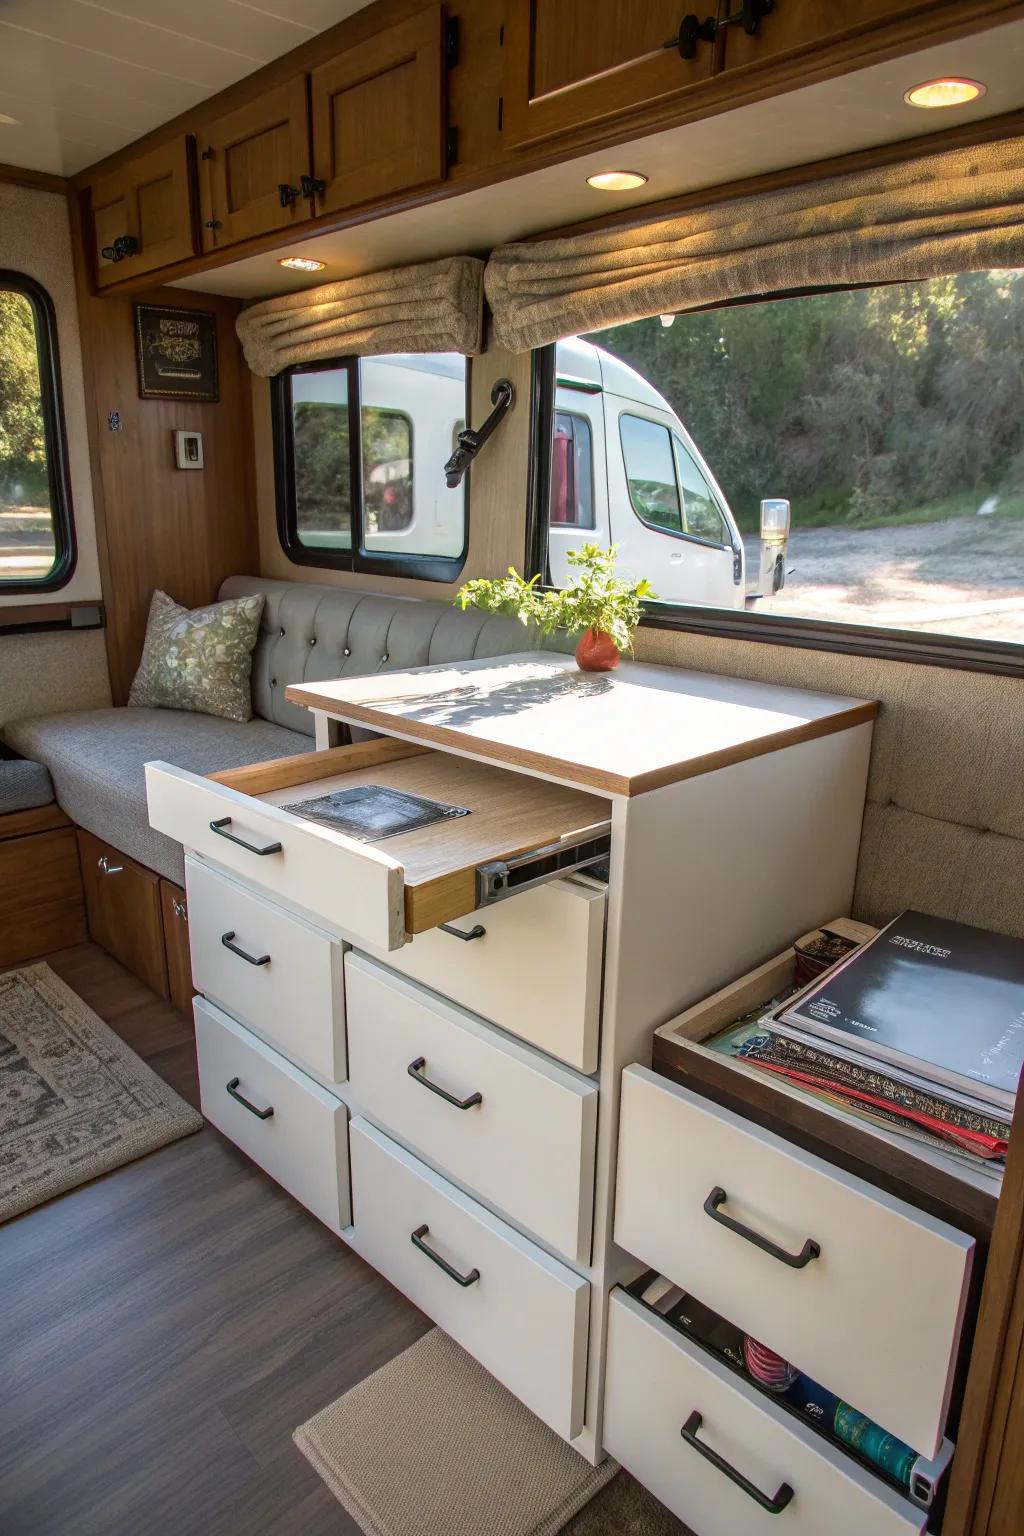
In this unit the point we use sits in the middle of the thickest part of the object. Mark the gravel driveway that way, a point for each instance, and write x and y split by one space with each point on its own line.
963 576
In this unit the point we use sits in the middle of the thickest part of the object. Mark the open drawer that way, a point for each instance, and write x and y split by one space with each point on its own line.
519 830
856 1288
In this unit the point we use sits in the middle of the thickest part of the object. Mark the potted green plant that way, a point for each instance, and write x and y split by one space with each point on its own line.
606 609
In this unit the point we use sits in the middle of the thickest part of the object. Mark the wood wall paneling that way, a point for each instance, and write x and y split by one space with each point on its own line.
159 526
986 1496
41 905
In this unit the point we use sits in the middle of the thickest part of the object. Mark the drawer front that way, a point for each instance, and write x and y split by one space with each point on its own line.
520 1133
523 1315
269 969
875 1315
558 931
346 884
656 1381
302 1143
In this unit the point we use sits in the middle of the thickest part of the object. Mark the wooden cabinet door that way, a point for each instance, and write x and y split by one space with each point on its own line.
174 910
122 902
571 62
794 27
251 165
148 201
378 115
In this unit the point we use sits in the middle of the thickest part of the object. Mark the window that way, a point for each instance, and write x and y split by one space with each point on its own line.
890 419
37 550
572 472
384 507
701 517
651 472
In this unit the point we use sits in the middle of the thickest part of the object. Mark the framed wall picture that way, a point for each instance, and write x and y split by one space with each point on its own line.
176 351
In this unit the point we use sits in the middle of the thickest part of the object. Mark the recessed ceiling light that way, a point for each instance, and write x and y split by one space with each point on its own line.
9 122
616 181
948 92
301 263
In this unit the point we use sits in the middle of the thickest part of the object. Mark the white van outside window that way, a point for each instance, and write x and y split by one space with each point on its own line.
625 471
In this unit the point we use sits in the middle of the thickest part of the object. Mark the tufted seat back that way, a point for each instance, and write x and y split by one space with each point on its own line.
310 633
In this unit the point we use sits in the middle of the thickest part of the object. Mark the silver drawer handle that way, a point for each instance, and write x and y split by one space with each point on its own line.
109 869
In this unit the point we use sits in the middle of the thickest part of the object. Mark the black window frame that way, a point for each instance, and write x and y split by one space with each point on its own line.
370 562
958 652
54 435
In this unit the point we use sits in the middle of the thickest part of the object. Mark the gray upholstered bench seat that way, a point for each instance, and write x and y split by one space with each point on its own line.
24 786
97 758
97 761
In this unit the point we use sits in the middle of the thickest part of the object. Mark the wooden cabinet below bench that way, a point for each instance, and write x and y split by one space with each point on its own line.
41 906
122 900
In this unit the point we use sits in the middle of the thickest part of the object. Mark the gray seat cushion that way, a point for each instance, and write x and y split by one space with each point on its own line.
97 759
23 786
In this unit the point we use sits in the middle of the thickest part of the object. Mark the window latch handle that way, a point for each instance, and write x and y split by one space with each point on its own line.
470 441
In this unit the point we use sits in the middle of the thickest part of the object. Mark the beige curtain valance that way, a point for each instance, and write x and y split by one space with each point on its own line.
435 307
959 210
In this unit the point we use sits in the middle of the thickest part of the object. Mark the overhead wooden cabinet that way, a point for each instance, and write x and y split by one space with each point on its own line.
378 115
142 213
571 62
794 27
254 167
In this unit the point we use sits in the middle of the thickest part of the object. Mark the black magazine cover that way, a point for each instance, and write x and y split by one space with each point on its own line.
941 998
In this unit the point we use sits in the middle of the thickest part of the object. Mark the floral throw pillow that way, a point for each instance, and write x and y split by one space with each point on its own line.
199 658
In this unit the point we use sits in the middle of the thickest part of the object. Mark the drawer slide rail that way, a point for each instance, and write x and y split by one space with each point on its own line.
506 877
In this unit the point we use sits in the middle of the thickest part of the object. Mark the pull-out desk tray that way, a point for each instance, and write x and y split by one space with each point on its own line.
376 893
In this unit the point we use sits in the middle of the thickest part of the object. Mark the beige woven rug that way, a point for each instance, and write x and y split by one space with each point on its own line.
75 1101
432 1445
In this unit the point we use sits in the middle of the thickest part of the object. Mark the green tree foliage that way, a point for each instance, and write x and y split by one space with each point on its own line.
858 405
23 476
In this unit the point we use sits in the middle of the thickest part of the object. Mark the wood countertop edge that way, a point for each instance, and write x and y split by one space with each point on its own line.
580 775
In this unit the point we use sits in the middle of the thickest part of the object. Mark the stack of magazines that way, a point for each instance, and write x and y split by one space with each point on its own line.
921 1029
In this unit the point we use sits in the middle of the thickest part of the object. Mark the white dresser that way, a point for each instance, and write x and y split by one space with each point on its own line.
423 1038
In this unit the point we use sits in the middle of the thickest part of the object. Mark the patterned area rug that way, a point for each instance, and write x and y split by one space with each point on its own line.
75 1101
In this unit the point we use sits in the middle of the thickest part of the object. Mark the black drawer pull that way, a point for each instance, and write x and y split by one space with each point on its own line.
774 1506
225 821
476 932
810 1250
415 1070
416 1238
261 1114
227 940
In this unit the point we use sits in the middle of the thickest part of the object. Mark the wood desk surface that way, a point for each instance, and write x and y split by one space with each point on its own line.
620 732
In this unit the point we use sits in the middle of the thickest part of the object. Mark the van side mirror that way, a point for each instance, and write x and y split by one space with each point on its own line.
775 519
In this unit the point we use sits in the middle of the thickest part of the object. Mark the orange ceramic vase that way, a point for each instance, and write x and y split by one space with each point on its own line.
596 652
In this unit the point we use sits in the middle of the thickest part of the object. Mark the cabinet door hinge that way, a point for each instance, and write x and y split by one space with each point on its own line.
451 147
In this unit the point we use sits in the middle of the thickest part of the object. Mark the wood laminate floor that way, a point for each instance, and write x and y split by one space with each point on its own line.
164 1329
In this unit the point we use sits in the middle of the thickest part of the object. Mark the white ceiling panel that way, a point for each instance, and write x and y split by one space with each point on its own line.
85 77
